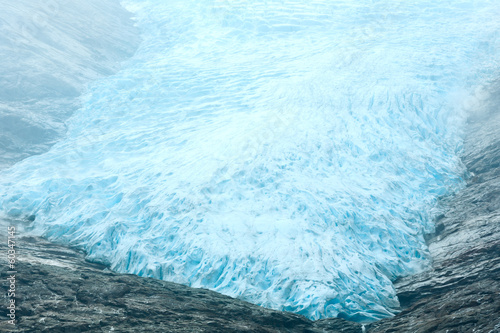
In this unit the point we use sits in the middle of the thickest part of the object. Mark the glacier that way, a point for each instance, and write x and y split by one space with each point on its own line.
290 154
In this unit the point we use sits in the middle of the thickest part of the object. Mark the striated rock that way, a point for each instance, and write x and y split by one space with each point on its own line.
462 291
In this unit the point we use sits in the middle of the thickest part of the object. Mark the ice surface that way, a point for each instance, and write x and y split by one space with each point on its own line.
287 153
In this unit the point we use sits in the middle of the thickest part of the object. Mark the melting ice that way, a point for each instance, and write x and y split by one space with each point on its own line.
287 153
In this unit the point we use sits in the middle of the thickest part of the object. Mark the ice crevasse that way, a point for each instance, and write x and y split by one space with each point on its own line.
290 154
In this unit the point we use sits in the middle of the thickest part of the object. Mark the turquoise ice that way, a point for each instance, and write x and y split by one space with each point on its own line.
288 153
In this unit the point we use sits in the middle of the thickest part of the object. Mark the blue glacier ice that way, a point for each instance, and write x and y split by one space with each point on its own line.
290 154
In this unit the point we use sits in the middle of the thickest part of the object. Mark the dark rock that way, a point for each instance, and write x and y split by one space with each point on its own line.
59 291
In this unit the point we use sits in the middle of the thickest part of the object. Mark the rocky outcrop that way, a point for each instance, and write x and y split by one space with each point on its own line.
462 291
58 291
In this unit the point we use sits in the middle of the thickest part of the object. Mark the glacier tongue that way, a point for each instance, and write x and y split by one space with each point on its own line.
288 154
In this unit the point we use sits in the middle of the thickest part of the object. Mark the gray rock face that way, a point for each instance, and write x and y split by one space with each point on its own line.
58 291
462 291
50 51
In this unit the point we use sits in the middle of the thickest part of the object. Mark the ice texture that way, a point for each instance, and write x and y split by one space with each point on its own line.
287 153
